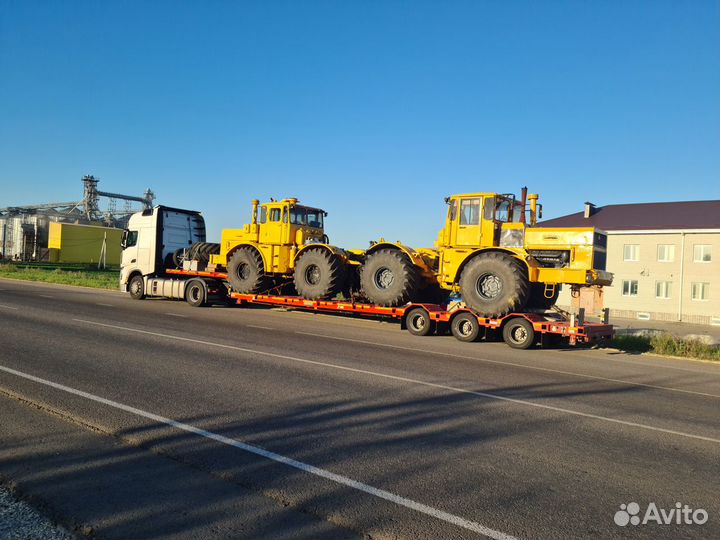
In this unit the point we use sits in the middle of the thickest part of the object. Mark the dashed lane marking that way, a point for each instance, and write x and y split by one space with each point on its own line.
514 364
290 462
487 395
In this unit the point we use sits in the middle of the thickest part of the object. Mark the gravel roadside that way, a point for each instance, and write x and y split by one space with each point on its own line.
19 520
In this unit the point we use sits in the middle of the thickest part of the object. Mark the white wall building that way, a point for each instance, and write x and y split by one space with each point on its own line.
665 258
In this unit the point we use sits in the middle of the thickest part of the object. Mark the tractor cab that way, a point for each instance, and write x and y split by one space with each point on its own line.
288 223
475 220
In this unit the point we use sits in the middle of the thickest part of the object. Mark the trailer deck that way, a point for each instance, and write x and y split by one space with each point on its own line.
519 330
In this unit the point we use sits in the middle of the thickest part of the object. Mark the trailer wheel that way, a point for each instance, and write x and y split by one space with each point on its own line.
519 333
465 327
418 322
246 273
195 293
136 287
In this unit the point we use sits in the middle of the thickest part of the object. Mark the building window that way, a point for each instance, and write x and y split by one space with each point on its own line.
702 253
630 287
631 252
666 253
663 289
701 291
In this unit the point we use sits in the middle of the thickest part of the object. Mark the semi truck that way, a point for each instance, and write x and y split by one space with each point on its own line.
165 254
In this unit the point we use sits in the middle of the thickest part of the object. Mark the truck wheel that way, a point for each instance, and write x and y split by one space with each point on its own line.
418 322
538 300
195 294
136 288
389 278
319 274
494 284
246 273
465 327
519 333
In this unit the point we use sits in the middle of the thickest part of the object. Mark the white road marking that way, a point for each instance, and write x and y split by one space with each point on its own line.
46 296
106 305
525 366
176 315
413 381
257 326
7 307
305 467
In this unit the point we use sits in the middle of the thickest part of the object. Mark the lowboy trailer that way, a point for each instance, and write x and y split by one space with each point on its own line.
519 330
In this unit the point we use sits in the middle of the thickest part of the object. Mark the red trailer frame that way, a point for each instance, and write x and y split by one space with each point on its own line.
424 319
519 330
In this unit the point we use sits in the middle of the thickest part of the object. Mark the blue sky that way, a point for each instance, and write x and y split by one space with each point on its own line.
373 110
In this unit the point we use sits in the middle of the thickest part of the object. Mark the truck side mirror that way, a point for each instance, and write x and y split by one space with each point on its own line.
123 241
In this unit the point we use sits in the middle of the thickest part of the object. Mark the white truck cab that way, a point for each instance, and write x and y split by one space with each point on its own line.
150 240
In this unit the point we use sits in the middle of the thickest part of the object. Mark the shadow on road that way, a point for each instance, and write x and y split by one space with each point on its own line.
463 453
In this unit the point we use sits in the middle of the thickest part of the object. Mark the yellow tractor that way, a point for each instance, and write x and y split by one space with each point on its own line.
488 253
286 240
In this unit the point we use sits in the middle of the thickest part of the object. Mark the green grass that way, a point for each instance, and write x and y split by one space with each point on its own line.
85 276
666 344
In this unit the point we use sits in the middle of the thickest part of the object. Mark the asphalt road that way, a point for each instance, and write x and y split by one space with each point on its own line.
154 419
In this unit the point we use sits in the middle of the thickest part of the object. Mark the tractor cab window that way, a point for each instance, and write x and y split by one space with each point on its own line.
503 209
263 214
315 218
452 211
470 212
517 213
298 215
275 214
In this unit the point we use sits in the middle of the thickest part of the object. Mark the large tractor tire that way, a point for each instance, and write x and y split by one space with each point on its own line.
246 272
201 251
494 284
538 300
389 278
319 274
178 257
